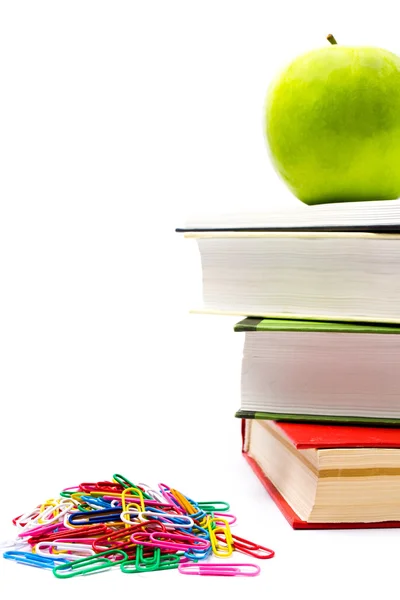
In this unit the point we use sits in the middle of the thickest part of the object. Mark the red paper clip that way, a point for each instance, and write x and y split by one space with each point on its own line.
78 532
101 486
247 547
122 538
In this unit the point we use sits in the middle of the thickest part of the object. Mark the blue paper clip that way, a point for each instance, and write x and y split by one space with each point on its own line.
201 514
204 532
175 519
99 502
199 554
95 516
196 555
34 560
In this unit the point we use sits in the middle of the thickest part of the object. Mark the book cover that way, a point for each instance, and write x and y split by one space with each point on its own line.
328 419
313 437
297 325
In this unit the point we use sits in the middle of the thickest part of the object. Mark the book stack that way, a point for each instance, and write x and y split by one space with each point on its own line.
318 293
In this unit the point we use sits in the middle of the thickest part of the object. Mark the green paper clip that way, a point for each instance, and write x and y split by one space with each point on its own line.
91 564
147 564
142 565
169 561
128 484
217 506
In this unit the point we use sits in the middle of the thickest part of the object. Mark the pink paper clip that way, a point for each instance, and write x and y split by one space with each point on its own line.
40 529
165 492
177 541
231 519
170 541
223 569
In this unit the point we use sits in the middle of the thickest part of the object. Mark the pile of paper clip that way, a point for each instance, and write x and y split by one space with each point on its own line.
117 524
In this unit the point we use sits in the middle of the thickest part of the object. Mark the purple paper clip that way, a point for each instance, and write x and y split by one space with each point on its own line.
223 569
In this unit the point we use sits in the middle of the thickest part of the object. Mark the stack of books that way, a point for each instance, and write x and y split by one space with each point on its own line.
318 293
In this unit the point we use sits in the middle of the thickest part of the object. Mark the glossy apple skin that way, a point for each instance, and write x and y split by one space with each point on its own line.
333 125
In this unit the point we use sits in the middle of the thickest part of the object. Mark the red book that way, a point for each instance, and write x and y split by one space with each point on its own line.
306 436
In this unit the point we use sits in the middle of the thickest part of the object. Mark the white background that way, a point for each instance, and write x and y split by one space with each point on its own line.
119 119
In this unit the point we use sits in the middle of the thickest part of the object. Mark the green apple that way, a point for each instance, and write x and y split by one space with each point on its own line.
333 124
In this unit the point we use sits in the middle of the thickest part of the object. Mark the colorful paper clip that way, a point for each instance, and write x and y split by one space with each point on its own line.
13 544
108 515
171 541
214 528
65 549
249 548
93 527
84 566
167 561
67 534
225 569
35 560
147 564
215 505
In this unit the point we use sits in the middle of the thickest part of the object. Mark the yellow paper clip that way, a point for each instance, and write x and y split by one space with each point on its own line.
226 548
44 509
133 492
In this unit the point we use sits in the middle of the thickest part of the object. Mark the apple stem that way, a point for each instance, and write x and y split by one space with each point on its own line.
331 39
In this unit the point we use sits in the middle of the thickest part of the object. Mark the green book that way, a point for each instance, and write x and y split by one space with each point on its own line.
316 371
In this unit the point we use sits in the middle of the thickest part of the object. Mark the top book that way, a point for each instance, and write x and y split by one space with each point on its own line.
372 216
327 262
